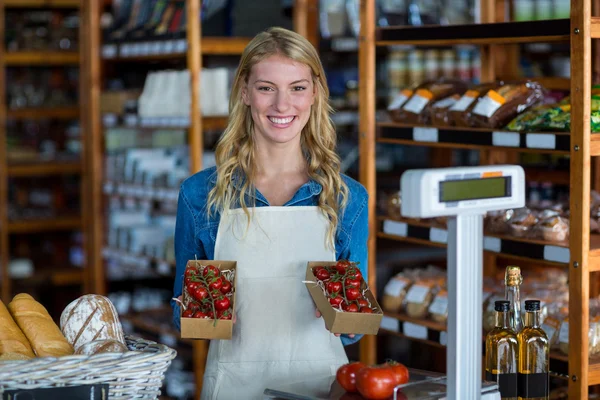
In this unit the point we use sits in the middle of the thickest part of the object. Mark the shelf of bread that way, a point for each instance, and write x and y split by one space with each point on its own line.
45 225
43 168
544 31
41 3
43 113
22 58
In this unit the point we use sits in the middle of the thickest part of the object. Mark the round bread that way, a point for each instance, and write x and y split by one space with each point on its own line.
101 346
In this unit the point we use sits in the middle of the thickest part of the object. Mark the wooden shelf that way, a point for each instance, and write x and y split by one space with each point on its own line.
426 233
56 277
42 3
472 138
48 225
223 45
40 113
134 122
493 33
22 58
44 169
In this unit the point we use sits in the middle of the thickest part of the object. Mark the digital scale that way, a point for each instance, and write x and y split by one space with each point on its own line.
465 195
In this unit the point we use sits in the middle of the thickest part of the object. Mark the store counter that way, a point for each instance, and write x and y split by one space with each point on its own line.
423 386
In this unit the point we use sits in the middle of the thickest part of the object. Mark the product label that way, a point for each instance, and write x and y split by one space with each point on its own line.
445 103
465 101
418 101
533 385
417 294
563 336
507 383
439 305
414 330
489 104
400 99
395 286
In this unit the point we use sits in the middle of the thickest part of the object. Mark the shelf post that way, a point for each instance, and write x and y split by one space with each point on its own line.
194 65
4 245
579 287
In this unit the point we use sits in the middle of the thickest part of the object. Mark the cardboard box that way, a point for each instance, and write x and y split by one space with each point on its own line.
343 322
204 328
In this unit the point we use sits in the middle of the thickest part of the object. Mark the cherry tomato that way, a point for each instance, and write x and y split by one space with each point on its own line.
336 301
346 375
191 271
226 286
352 293
375 383
193 306
199 314
200 293
352 282
322 274
193 286
362 302
352 307
355 273
224 314
341 266
216 283
333 287
211 270
188 313
222 303
400 372
366 310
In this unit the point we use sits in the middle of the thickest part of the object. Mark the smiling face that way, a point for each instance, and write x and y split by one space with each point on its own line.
280 93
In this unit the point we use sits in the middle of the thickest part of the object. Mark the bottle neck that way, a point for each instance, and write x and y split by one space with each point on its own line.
532 319
502 319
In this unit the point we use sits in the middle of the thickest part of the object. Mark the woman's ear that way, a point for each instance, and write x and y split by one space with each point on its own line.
314 93
245 97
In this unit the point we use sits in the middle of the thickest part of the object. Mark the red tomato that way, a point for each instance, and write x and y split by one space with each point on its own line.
352 282
226 287
346 375
352 293
211 270
222 303
224 314
199 314
216 283
200 293
366 310
187 313
375 383
333 287
191 271
355 272
322 274
362 302
193 306
192 286
341 266
336 301
352 307
400 372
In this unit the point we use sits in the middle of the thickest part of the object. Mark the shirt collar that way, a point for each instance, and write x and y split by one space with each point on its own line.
313 186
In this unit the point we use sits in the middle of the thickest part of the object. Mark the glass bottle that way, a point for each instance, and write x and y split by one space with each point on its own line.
533 356
501 353
512 281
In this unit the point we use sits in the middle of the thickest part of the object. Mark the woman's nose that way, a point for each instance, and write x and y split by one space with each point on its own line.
282 101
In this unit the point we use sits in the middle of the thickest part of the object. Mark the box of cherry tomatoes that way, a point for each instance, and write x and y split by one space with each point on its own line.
208 299
343 298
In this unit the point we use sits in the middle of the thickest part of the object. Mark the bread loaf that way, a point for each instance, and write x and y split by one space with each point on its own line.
101 346
12 340
89 318
39 328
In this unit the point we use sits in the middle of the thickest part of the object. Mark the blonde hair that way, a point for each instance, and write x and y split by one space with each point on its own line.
235 151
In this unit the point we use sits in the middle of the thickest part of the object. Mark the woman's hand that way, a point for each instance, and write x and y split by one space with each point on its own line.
318 315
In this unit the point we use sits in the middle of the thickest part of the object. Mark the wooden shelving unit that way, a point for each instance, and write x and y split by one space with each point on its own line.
582 252
35 168
189 50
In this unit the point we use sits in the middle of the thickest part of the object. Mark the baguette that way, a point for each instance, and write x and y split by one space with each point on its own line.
44 335
13 343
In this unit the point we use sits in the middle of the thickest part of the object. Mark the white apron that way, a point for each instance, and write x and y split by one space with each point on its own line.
276 339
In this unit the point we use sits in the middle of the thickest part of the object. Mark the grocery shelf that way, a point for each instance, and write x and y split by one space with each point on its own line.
60 276
43 168
140 192
149 123
554 254
46 112
473 138
152 264
45 225
142 321
21 58
41 3
491 33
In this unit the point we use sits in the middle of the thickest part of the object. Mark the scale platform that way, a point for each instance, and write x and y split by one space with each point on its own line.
423 385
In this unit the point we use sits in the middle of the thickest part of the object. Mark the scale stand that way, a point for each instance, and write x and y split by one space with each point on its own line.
464 195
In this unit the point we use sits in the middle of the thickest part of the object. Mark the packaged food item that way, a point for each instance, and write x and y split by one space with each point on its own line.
497 221
459 114
417 110
439 110
498 107
439 307
522 222
394 293
554 229
399 100
394 204
419 298
551 327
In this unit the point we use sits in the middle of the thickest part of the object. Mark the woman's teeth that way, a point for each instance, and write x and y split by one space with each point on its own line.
281 120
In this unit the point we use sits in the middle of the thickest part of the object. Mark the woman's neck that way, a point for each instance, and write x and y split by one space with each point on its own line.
280 159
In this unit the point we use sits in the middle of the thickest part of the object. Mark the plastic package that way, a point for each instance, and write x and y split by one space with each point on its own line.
419 298
498 107
439 307
522 222
440 109
417 110
459 114
394 204
394 293
554 229
497 221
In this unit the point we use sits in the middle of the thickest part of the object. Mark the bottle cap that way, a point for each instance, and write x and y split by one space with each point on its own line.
532 305
502 305
513 276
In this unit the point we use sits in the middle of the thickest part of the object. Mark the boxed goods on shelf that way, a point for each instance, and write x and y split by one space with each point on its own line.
343 297
208 306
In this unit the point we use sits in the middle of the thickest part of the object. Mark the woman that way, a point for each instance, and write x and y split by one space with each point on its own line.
275 201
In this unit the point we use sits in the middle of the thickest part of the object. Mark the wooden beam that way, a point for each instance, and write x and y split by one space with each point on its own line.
4 244
194 65
367 142
579 286
595 28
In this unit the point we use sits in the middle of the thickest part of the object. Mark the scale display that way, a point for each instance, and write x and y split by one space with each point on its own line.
474 189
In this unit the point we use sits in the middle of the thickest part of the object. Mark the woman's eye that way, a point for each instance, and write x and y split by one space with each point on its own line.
299 88
265 88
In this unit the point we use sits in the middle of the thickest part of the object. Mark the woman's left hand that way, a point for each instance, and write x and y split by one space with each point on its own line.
318 315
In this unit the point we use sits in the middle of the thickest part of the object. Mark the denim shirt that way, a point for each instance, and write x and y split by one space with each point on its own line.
196 233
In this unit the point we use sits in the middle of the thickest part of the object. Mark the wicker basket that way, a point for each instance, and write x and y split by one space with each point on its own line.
137 374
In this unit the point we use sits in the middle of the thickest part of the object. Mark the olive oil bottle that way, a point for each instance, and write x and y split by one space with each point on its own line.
512 282
533 356
501 353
